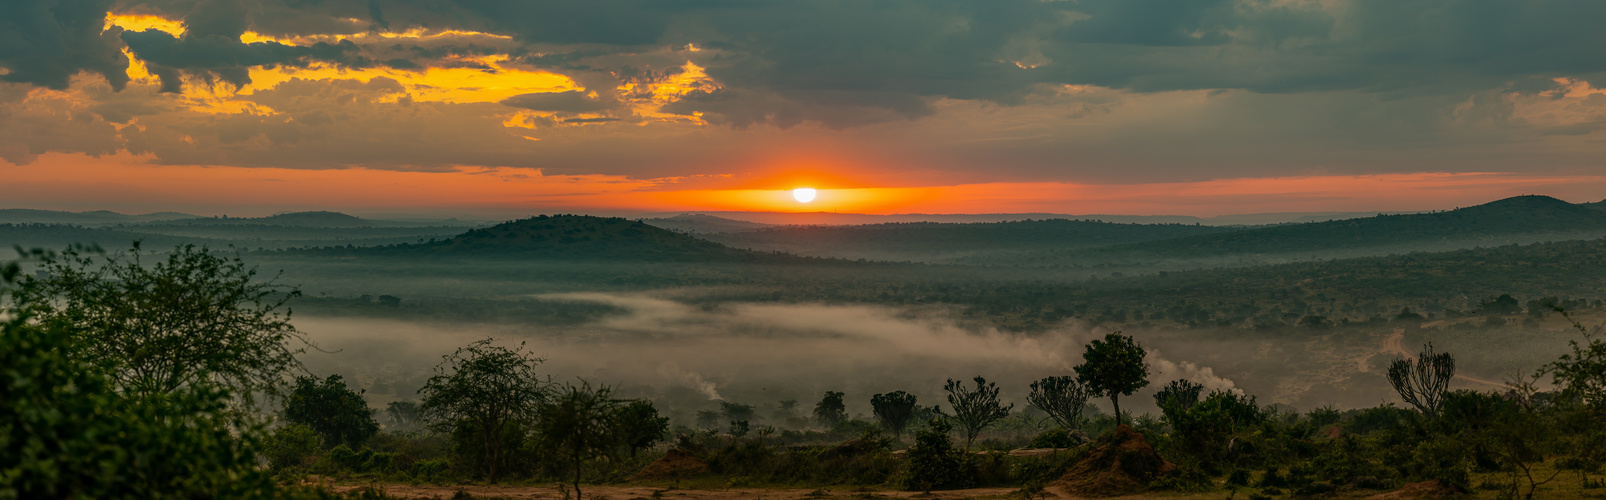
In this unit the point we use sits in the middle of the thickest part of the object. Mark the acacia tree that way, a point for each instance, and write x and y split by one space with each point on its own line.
893 410
487 388
977 409
336 412
1062 398
579 423
192 317
1422 382
1114 367
830 409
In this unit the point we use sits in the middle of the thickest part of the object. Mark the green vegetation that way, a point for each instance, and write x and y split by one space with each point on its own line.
1114 367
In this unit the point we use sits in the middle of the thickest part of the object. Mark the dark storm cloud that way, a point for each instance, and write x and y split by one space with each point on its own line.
46 42
211 47
563 102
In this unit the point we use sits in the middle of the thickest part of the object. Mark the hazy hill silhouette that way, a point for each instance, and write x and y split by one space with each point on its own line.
578 237
1489 222
936 241
96 217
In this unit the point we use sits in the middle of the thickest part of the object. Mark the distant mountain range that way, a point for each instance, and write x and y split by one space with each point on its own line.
93 218
1046 242
720 221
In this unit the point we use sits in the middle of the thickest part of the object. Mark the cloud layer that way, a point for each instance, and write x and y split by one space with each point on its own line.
1108 90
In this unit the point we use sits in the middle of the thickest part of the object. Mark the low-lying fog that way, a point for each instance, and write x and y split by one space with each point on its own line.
688 358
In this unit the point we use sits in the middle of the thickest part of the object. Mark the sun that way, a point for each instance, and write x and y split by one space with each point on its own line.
803 195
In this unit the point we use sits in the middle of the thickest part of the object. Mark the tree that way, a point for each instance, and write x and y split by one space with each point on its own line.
830 409
194 317
736 411
334 411
1180 394
1423 381
1062 398
977 409
640 426
405 415
1113 367
580 422
67 431
487 388
1582 373
893 410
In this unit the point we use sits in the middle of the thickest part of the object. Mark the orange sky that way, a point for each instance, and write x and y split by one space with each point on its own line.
127 183
680 125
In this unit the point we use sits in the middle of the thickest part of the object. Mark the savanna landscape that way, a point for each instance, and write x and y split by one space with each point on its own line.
802 249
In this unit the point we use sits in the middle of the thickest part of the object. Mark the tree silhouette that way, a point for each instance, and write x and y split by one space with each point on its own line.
579 423
336 412
1062 398
640 426
1423 381
1113 367
977 409
487 387
893 410
830 409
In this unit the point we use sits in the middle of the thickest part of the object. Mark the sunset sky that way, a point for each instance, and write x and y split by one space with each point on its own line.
252 107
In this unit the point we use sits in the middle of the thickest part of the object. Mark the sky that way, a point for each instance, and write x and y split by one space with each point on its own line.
1207 107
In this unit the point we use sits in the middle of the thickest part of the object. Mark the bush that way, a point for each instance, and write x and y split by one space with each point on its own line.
1058 438
933 463
291 447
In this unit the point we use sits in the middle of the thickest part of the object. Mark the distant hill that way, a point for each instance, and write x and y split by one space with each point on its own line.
937 242
93 218
852 219
1521 219
701 223
577 237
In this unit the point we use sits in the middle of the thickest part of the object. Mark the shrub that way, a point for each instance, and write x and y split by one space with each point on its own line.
290 447
933 463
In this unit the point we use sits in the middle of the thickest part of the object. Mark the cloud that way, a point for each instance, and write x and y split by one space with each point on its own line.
572 101
46 42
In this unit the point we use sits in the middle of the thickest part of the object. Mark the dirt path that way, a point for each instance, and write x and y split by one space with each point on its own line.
1395 344
646 492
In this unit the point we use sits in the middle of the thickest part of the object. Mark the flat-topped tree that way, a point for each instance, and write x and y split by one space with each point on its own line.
1114 367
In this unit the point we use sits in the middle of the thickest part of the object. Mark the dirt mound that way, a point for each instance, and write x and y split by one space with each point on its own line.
1425 489
674 465
1120 463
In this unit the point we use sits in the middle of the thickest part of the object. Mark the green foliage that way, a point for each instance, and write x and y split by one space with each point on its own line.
579 422
1207 429
975 409
893 410
1114 367
489 389
933 463
1062 398
336 412
192 318
1582 372
1058 438
830 409
1179 395
65 431
292 447
639 426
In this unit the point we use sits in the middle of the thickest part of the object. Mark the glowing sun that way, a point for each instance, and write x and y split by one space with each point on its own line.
803 195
